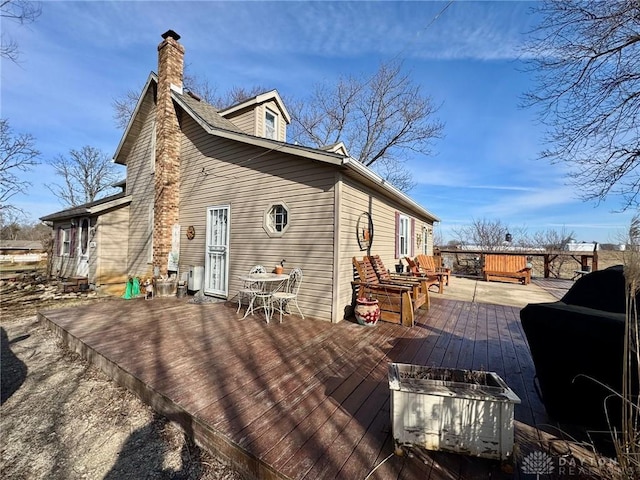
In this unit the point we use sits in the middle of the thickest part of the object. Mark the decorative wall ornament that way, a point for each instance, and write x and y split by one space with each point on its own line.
191 232
364 231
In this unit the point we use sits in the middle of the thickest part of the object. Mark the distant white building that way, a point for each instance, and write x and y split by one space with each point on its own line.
582 247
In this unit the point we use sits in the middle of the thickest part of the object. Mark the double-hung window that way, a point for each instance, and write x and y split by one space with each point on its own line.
270 124
65 242
403 236
427 235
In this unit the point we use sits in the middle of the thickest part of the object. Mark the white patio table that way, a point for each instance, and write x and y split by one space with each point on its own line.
270 283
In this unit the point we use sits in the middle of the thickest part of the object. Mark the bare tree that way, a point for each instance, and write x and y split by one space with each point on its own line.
379 119
20 11
585 55
554 241
86 173
13 226
17 154
237 95
10 224
486 234
123 108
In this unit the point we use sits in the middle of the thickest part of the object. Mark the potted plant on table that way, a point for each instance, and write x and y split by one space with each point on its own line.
279 268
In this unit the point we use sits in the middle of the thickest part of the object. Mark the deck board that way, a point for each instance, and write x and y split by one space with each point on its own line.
300 399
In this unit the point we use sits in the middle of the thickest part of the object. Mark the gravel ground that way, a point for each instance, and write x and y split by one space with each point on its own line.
61 418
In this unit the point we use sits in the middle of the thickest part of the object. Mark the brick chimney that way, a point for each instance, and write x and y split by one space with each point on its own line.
167 167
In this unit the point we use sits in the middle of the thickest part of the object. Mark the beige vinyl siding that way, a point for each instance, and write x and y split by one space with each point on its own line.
140 185
245 120
111 240
251 120
63 265
216 172
93 251
354 200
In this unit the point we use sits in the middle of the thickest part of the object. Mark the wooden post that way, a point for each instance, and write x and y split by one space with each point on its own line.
546 265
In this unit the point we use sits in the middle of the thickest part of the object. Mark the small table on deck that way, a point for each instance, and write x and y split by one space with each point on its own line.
271 282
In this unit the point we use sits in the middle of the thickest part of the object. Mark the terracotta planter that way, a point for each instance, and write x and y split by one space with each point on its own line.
367 311
278 270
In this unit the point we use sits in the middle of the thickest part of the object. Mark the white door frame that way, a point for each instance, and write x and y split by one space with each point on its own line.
216 265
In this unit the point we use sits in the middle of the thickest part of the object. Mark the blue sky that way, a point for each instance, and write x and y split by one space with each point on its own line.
79 56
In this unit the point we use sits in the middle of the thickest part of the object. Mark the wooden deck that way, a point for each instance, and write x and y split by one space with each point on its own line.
555 286
302 399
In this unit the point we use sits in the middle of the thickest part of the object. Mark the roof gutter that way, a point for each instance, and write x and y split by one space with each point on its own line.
360 169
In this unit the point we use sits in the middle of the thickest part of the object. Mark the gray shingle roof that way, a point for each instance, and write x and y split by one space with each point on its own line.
81 210
208 113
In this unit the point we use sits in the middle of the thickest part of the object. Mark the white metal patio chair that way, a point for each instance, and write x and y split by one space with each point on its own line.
250 290
280 299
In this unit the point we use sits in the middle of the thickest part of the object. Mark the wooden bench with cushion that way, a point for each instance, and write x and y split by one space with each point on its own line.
506 268
396 305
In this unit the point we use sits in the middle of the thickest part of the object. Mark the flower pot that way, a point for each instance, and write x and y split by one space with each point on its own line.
367 311
278 270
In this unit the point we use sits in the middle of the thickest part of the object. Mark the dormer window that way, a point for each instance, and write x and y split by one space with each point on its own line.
270 124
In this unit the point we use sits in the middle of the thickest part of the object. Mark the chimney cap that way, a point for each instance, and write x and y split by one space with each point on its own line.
172 34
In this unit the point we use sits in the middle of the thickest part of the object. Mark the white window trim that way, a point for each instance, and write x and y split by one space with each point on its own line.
268 111
404 235
65 242
268 223
426 238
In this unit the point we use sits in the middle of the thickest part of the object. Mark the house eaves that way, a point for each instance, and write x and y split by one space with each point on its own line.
257 100
365 175
92 208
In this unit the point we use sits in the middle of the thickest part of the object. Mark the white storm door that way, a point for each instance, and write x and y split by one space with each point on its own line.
216 265
82 268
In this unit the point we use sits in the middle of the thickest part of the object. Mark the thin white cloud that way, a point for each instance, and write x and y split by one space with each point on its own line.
503 187
535 200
